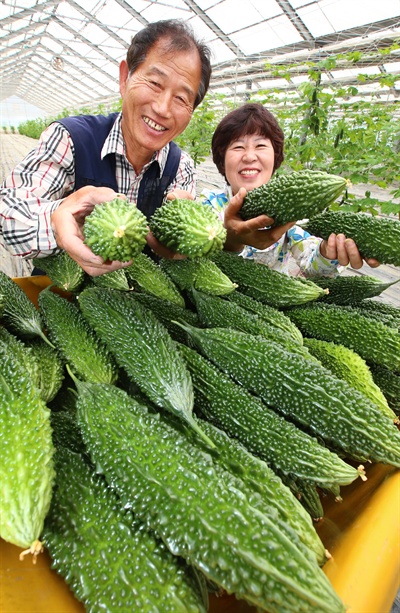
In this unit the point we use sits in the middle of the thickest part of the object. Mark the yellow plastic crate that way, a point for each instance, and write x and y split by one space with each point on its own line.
362 533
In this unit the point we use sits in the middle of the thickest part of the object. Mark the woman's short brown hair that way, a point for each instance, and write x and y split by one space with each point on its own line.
251 118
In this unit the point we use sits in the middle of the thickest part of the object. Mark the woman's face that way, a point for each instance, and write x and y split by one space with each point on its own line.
249 162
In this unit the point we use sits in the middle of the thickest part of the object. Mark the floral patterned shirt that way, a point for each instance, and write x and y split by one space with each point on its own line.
296 253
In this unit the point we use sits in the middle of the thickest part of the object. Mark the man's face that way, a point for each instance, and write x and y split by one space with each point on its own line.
158 100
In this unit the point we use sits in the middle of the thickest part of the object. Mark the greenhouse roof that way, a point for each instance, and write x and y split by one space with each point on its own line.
63 55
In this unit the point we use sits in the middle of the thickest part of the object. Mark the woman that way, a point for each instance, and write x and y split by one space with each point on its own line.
247 148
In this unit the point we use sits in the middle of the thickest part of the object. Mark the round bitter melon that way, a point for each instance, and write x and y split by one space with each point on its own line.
188 227
116 230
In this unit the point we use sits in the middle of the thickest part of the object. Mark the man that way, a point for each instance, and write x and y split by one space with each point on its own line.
83 161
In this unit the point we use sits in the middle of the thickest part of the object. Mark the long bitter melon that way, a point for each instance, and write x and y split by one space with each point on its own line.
200 273
19 314
77 343
349 366
143 347
62 270
373 340
105 555
303 391
147 276
351 289
268 286
200 516
261 430
26 467
294 196
376 237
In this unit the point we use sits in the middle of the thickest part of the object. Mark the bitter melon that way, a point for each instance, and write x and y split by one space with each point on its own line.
389 384
294 196
261 430
200 516
268 286
188 227
375 237
26 467
147 276
19 314
303 391
105 555
215 312
116 230
62 270
143 347
348 365
116 279
270 314
373 340
265 491
200 273
351 289
50 374
77 343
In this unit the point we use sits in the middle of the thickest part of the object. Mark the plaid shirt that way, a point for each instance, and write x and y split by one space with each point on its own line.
37 186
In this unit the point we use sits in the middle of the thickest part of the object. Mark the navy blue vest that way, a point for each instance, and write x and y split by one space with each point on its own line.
88 133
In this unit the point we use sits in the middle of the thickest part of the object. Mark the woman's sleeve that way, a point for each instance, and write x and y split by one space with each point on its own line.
305 250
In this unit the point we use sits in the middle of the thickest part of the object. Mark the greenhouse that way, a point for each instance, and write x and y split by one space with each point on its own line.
200 306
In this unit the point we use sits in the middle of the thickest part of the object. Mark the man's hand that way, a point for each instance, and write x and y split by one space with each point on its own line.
253 232
345 250
67 224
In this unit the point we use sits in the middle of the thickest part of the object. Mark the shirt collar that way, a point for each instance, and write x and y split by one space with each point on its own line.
115 144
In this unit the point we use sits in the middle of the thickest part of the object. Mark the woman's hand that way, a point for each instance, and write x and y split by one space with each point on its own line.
345 250
253 232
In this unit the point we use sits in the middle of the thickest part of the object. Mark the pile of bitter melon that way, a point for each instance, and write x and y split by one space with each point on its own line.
168 432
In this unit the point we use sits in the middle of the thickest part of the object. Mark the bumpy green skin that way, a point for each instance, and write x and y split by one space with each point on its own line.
265 489
26 467
116 279
303 391
76 341
168 313
143 347
346 364
23 353
62 270
261 430
188 227
106 556
270 314
200 273
199 516
50 369
371 339
308 496
389 383
148 276
389 314
116 230
266 285
295 196
215 312
376 237
19 314
352 289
